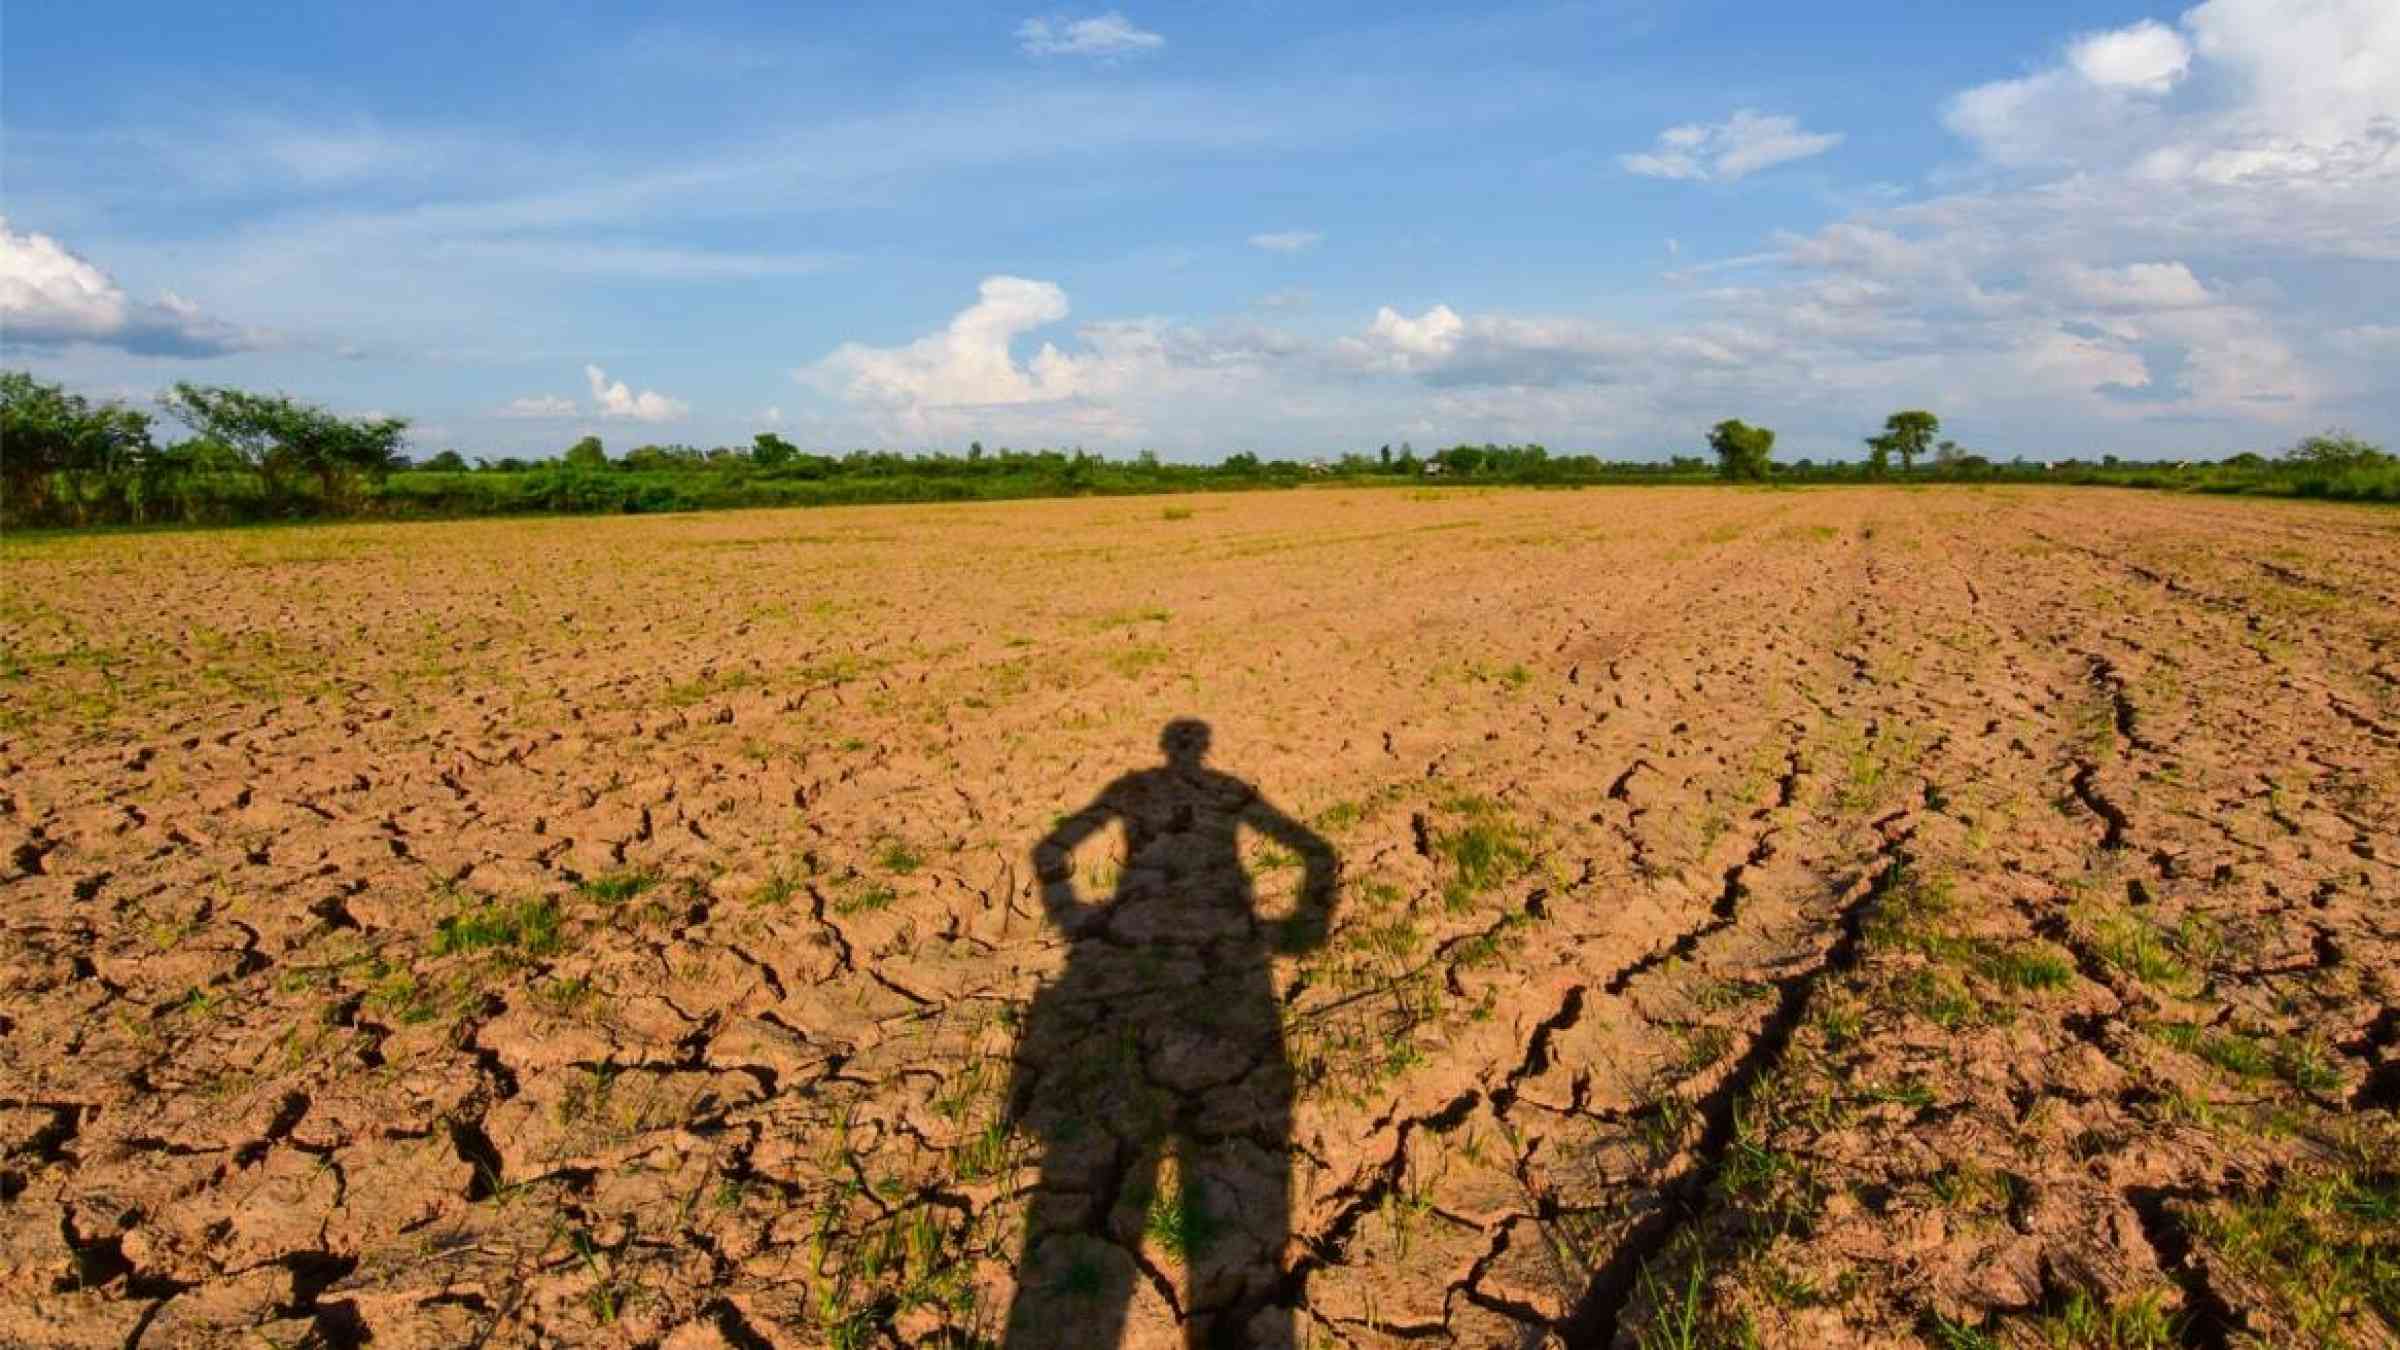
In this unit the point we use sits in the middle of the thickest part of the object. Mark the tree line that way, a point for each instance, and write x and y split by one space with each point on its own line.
2330 464
1744 452
246 456
64 458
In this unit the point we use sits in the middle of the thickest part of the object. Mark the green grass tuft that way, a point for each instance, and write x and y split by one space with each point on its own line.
2137 1322
1482 853
864 898
528 928
898 857
2025 968
616 888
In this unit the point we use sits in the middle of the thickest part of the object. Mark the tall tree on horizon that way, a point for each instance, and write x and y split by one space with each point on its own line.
1742 449
1910 432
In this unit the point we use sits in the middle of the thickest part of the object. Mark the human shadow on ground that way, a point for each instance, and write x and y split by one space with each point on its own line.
1153 1073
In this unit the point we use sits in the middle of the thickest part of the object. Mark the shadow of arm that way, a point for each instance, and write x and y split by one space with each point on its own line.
1319 880
1054 866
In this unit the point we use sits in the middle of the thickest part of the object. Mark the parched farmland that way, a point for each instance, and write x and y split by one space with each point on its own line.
1365 918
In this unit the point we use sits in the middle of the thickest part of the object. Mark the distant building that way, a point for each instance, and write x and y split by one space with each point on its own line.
1435 468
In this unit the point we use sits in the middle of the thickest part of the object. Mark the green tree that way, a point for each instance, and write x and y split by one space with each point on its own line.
1742 450
449 461
587 454
663 458
279 436
2336 451
1910 433
1879 455
48 434
768 450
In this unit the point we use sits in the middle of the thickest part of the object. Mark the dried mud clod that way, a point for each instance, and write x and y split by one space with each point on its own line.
1704 918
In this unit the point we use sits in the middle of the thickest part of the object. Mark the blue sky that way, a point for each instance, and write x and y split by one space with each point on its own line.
2071 229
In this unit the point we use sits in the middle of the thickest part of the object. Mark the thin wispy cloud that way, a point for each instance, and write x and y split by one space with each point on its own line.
1735 148
1287 241
538 408
1738 262
640 262
1102 35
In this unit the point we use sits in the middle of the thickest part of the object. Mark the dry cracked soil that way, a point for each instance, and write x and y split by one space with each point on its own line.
1343 918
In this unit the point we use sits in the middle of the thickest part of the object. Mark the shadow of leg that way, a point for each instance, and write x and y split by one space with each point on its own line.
1073 1288
1240 1192
1234 1137
1079 1282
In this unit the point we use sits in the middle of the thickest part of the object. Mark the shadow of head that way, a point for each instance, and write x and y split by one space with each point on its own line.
1185 742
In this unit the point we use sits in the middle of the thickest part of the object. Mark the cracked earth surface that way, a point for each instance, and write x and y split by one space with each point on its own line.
1844 917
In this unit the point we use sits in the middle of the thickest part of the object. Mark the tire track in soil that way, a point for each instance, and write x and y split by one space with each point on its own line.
1596 1320
1830 935
1827 940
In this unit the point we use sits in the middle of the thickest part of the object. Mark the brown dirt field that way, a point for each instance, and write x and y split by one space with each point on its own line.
1821 918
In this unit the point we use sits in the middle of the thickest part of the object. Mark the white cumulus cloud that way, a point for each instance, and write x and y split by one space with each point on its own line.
1103 35
2145 240
1121 377
50 297
2149 57
2303 91
2107 86
617 399
1723 151
968 363
1396 342
1287 241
